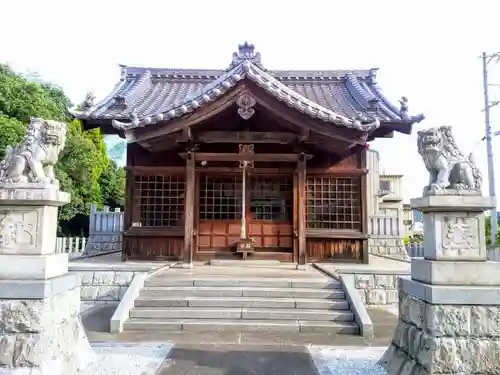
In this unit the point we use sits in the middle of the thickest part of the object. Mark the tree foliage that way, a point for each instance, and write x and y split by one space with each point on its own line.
84 169
488 232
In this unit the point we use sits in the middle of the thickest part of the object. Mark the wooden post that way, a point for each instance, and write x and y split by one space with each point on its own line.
189 210
301 182
364 206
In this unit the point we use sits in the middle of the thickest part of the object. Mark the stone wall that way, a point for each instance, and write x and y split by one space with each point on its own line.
387 245
378 288
102 283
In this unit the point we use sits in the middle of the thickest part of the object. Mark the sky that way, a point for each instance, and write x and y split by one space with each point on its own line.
427 50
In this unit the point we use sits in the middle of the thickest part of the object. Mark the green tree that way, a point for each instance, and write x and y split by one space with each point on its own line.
488 232
112 183
11 132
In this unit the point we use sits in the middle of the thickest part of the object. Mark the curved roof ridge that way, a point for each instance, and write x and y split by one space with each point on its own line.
385 100
315 110
263 79
395 115
357 91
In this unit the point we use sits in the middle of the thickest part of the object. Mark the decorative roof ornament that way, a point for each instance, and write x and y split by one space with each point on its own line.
87 103
403 110
246 102
120 101
247 52
373 104
134 117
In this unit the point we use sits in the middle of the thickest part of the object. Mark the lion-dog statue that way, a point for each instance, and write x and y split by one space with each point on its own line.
33 159
448 167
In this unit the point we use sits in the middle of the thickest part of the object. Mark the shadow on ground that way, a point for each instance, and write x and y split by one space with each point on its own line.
238 360
97 319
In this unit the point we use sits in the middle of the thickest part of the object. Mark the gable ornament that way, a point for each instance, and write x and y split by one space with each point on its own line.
246 102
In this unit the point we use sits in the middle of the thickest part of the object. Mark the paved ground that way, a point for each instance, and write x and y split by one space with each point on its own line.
215 359
242 353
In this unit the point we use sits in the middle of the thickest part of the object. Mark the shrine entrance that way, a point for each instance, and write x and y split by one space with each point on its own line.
245 214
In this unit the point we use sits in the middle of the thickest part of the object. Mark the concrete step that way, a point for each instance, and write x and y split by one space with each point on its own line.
245 313
241 325
242 302
165 280
150 292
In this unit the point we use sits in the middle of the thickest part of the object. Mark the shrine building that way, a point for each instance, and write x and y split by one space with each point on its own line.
246 162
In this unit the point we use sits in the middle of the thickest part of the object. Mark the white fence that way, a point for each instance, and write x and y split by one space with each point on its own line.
70 245
105 230
384 226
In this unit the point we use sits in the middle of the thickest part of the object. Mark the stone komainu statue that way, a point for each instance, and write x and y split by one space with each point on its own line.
448 167
33 160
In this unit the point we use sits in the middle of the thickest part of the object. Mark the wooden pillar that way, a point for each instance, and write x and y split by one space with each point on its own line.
302 197
189 210
364 205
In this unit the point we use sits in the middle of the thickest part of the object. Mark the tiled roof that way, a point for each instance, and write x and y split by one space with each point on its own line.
149 95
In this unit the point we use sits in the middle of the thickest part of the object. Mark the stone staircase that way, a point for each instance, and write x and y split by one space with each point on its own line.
177 300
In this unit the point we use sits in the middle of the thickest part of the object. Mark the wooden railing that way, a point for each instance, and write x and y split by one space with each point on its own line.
70 245
384 226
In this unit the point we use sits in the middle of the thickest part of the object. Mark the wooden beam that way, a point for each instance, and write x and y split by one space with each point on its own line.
302 212
189 209
336 171
246 136
208 156
257 171
136 169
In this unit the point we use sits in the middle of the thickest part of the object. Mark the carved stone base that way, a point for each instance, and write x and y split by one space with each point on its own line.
43 336
28 218
444 339
454 226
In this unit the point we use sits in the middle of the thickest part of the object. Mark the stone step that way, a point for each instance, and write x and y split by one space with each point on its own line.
165 280
241 302
245 313
241 325
150 292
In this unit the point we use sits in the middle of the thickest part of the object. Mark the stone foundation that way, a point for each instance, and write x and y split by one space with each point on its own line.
449 311
444 339
387 245
377 288
43 336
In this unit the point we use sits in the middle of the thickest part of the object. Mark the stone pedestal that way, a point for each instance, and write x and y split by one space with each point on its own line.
40 327
449 311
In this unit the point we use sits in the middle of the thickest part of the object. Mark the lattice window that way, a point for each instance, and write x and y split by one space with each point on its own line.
271 198
333 202
160 199
220 197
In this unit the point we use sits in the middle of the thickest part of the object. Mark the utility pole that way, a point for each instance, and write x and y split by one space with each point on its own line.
489 149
